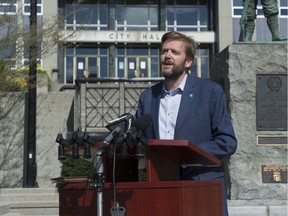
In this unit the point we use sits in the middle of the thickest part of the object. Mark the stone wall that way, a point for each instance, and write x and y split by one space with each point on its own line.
236 68
12 106
54 114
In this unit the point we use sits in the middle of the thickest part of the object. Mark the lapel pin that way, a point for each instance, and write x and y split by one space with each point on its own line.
191 95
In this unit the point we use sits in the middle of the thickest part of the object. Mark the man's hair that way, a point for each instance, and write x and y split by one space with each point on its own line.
191 45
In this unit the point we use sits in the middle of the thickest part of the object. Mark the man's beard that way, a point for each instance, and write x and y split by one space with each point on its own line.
175 72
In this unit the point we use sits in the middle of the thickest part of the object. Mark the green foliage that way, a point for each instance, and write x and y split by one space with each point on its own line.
76 167
25 70
10 80
16 80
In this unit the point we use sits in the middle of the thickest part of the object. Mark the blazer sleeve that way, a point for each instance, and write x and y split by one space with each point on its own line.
223 142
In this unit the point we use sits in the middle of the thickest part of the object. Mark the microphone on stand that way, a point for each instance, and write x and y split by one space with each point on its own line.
136 132
108 139
124 122
140 123
124 128
142 142
63 143
75 150
114 133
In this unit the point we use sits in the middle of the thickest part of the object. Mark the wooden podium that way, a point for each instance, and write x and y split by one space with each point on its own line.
162 194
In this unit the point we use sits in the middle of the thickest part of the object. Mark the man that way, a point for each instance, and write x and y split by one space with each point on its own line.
247 21
188 108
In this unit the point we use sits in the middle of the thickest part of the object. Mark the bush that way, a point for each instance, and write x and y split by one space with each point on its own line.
9 80
76 167
16 80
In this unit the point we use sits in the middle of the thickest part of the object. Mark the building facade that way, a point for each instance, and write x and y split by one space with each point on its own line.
121 38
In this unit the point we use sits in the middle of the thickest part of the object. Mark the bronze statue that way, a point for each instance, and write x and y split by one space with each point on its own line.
247 21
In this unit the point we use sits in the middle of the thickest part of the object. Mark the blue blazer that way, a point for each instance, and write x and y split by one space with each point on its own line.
202 119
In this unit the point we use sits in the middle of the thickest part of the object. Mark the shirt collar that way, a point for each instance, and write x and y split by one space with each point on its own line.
178 90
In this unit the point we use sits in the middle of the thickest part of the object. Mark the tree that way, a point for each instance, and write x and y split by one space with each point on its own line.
16 35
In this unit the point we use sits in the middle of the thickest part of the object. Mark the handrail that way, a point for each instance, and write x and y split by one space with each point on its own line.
95 80
67 87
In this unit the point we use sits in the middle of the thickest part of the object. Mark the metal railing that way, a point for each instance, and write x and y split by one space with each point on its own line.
99 101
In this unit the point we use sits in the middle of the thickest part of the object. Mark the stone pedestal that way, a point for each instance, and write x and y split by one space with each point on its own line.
237 68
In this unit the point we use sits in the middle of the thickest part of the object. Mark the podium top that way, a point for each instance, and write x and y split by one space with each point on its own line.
184 151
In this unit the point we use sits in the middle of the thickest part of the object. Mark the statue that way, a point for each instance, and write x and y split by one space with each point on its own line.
247 21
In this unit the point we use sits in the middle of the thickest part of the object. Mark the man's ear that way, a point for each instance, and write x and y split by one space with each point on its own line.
188 62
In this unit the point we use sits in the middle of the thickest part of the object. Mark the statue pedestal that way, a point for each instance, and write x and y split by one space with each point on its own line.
254 76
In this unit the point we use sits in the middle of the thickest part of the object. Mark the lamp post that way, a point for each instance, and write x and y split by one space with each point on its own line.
30 167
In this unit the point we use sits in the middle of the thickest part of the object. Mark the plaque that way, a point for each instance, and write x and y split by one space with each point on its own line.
272 140
274 173
271 102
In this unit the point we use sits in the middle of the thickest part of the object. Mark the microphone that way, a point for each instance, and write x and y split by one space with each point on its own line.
130 127
124 122
61 147
108 139
140 123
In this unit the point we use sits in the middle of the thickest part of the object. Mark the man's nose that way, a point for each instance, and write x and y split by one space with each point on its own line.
168 54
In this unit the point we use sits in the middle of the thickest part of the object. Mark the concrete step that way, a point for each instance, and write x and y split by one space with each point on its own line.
11 214
27 190
257 207
28 197
4 208
29 201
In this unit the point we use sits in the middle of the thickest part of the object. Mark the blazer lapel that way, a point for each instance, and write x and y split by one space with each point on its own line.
156 93
185 105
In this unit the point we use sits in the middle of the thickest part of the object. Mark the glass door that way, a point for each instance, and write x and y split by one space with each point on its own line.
92 67
80 67
137 67
86 67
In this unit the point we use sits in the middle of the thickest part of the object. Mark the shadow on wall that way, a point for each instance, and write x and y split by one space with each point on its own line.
12 112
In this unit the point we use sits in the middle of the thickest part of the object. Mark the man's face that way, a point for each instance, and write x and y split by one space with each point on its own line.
173 59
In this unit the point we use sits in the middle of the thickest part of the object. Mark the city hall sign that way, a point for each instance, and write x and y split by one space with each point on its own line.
133 36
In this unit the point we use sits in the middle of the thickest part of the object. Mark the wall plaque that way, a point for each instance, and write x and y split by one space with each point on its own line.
271 102
274 173
272 140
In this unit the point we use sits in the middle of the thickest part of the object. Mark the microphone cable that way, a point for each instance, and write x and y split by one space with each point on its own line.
114 177
116 209
90 172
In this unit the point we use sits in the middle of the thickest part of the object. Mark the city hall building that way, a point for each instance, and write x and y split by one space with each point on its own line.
121 38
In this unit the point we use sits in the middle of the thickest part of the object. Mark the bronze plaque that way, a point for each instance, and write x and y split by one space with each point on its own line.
274 173
271 102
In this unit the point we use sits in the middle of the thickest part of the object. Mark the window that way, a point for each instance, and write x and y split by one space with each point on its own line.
25 60
200 66
87 15
8 7
283 8
26 7
237 9
136 15
8 54
137 62
184 15
84 62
